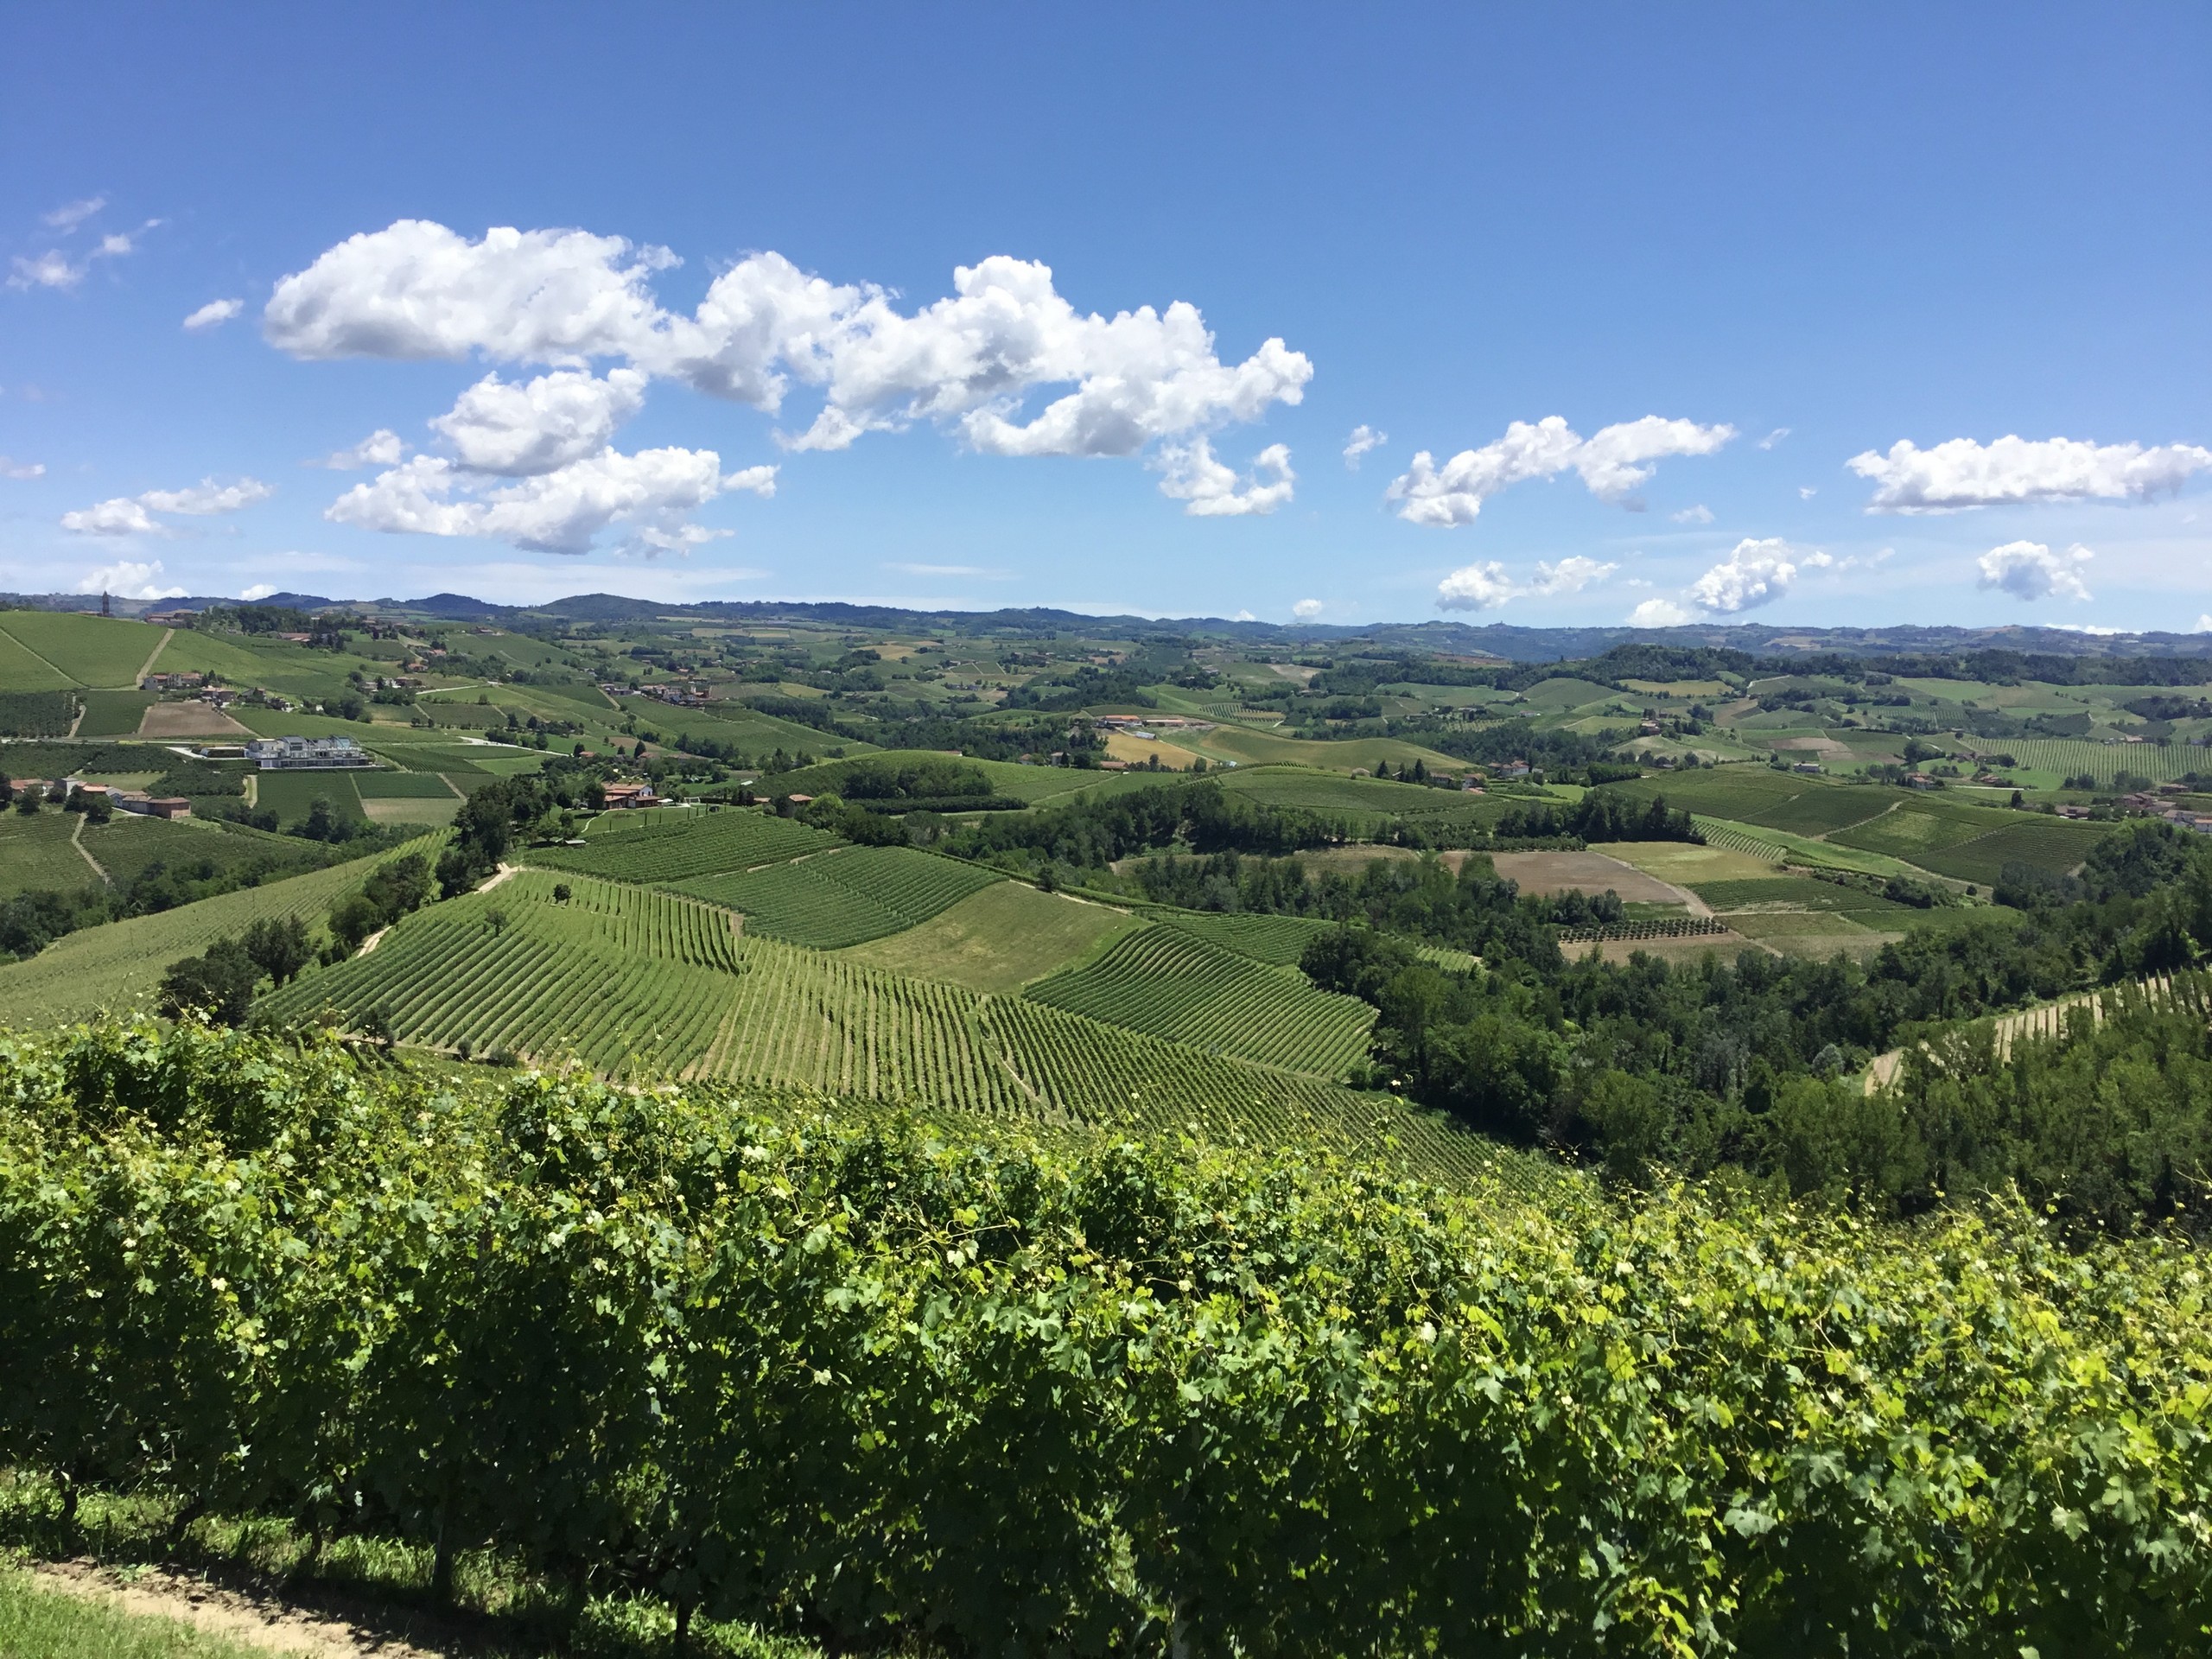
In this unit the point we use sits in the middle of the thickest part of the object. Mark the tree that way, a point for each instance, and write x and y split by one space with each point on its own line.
322 822
7 790
26 802
353 918
97 808
560 892
278 946
220 984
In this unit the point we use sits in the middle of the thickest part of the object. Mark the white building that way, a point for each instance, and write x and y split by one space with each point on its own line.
305 753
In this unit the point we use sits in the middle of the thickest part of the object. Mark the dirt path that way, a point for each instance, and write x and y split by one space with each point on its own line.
77 840
505 873
246 1619
153 655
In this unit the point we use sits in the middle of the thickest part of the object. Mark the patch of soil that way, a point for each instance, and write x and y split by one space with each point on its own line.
1591 873
189 720
249 1618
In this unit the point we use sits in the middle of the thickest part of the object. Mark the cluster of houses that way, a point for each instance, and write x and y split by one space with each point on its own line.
304 753
123 800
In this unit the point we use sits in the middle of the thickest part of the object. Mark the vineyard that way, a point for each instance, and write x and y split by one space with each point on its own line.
635 982
1169 983
2045 843
2162 763
845 896
671 846
1279 939
1039 1395
118 967
1667 927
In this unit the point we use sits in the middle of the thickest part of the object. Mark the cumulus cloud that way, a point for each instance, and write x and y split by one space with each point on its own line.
1208 489
556 511
1612 462
1961 475
1700 514
518 430
382 448
125 515
130 580
2030 570
71 215
1307 609
1755 573
120 516
214 314
259 590
970 361
1486 587
1658 614
11 467
1362 439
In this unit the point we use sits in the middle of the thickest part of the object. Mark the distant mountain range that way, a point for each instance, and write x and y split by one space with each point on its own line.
1497 639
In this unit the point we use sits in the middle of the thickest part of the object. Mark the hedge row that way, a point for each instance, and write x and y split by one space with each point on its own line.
857 1381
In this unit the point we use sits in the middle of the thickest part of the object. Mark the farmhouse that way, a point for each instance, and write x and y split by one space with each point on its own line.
619 795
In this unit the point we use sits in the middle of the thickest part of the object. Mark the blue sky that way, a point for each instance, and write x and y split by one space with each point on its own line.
1730 248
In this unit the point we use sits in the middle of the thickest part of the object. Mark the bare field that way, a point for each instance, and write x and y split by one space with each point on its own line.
1616 951
1686 862
1593 872
189 720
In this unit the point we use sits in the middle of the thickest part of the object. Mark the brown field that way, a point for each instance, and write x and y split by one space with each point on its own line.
1593 872
189 720
1120 746
1728 946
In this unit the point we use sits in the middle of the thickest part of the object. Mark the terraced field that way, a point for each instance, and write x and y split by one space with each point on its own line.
679 845
119 965
640 982
1169 983
845 896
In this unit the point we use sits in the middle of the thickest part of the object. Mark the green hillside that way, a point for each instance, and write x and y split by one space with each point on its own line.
640 982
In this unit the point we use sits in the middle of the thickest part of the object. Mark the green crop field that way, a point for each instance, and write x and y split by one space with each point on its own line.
113 714
1318 791
35 854
401 786
1172 984
2053 844
636 982
292 795
998 938
85 649
2162 763
677 844
1822 809
128 846
1916 829
1279 939
24 670
119 965
845 896
37 714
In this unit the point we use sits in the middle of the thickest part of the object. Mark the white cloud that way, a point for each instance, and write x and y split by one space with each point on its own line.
214 314
129 580
1807 491
49 270
1486 587
125 515
70 215
382 448
1307 609
209 496
1210 490
1774 437
1755 573
973 570
2091 628
1612 463
2204 622
1961 475
1658 614
2030 570
120 516
558 511
259 590
520 430
21 469
417 289
1362 439
53 269
1700 514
